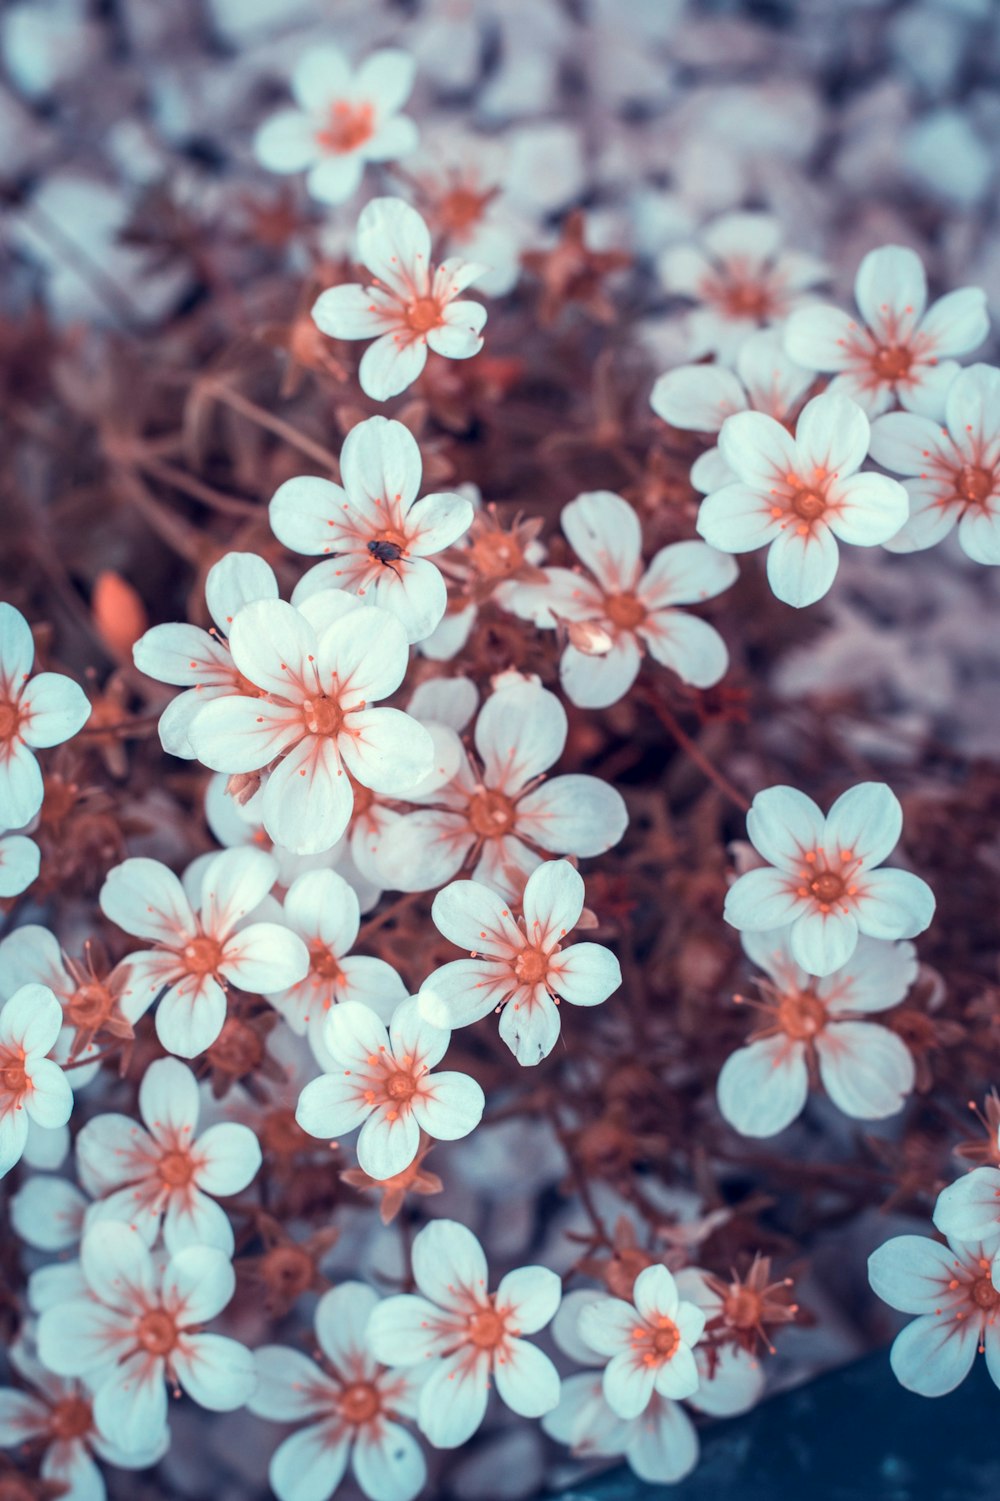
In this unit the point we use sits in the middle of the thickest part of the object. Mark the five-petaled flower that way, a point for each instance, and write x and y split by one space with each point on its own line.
381 536
622 608
384 1084
32 1086
466 1336
518 966
821 875
35 712
198 953
649 1341
898 352
139 1327
162 1171
409 307
951 471
319 669
798 496
952 1290
811 1024
342 122
499 809
349 1406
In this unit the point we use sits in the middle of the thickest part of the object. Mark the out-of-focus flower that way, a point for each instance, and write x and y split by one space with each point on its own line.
382 538
952 1291
821 875
969 1208
952 472
57 1417
899 350
866 1070
197 954
32 1087
798 496
409 306
139 1327
318 670
323 910
90 998
502 810
35 713
163 1171
699 398
649 1342
467 1338
519 966
349 1405
20 862
198 660
742 277
622 609
343 121
383 1083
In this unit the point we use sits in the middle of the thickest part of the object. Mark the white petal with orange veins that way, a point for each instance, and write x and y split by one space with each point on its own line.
335 178
586 974
54 708
604 532
597 682
574 814
520 733
628 1384
763 1087
233 884
264 956
229 1157
529 1025
678 1377
832 435
690 646
698 398
458 994
198 1283
822 941
387 1146
912 1272
341 1322
476 918
388 1462
866 822
969 1208
685 573
217 1372
302 510
934 1354
606 1325
308 799
737 519
331 1106
352 312
869 509
763 900
979 534
891 291
146 899
289 1387
76 1337
784 824
449 1264
130 1404
866 1070
663 1448
957 322
655 1293
533 1294
407 1330
49 1102
759 450
802 567
391 364
117 1267
31 1019
553 902
526 1380
386 78
453 1399
192 1219
893 904
191 1015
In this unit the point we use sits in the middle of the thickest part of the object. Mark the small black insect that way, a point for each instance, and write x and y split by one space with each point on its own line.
387 553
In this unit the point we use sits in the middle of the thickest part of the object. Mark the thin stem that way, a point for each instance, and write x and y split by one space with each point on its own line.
263 418
694 751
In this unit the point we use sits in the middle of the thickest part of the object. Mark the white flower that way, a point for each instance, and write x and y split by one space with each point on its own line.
519 966
380 535
649 1341
822 877
743 279
866 1070
349 1405
952 1290
162 1170
323 910
951 472
47 1212
797 496
139 1328
661 1444
57 1416
35 712
318 670
969 1209
342 122
625 608
32 1087
198 660
897 352
409 306
197 954
500 808
383 1083
699 398
20 862
466 1337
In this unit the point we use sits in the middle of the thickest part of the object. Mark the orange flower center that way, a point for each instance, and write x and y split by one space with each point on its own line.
176 1169
423 314
801 1015
892 362
496 555
323 715
203 955
486 1328
809 504
461 209
13 1074
656 1342
157 1332
90 1005
10 719
323 964
400 1086
625 610
347 126
743 1308
747 300
984 1294
531 966
491 814
827 886
974 484
71 1418
359 1403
